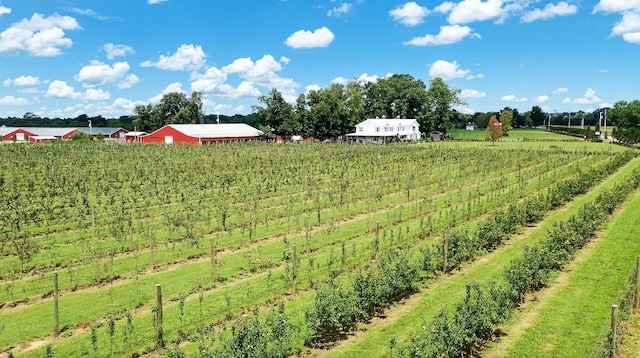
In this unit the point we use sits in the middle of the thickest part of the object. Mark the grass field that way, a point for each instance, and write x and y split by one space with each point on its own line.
227 229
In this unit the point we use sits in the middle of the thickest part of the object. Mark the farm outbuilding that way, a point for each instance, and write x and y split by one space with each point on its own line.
11 133
202 133
107 132
134 137
382 130
58 132
42 139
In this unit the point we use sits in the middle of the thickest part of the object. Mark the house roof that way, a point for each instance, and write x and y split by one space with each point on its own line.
382 122
4 130
50 131
223 130
135 134
107 131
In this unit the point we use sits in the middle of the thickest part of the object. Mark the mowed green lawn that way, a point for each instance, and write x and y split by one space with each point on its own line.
575 318
515 134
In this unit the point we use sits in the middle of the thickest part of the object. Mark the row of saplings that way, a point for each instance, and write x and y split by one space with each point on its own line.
342 303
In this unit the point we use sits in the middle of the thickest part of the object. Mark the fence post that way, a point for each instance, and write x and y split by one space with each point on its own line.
214 253
614 323
295 267
446 253
159 342
636 301
56 315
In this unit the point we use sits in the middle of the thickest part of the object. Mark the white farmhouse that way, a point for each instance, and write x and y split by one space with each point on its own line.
384 130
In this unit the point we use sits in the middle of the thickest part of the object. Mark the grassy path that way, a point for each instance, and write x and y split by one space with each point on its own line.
373 340
580 297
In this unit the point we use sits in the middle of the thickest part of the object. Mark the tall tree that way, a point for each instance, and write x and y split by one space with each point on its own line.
278 114
626 115
440 101
506 118
494 129
397 95
537 116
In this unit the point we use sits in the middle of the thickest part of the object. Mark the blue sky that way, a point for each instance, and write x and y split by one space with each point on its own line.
63 58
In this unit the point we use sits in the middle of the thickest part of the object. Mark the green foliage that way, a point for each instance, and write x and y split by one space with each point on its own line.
626 115
174 108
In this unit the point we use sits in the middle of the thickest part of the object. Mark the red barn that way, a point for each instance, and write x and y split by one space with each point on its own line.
9 133
58 132
134 137
42 139
202 133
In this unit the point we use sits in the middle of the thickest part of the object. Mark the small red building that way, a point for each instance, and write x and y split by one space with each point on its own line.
42 139
58 132
202 133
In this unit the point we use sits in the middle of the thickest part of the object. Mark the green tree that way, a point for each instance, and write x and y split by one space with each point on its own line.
278 114
494 129
440 101
537 116
506 118
626 115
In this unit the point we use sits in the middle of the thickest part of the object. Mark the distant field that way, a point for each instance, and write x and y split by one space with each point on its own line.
515 134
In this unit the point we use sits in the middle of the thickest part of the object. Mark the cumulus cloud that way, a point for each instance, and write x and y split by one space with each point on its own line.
22 81
4 10
513 98
340 81
561 90
313 87
550 11
99 73
614 6
471 93
262 72
410 14
13 101
340 10
171 88
448 35
114 50
588 98
208 81
468 11
61 90
156 1
306 39
541 99
38 36
186 58
629 26
447 70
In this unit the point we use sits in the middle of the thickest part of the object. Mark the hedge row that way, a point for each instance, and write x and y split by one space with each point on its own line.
476 318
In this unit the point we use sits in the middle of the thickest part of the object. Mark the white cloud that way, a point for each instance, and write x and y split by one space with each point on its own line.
39 36
448 35
13 101
61 90
447 70
613 6
410 14
114 50
186 58
99 73
471 93
468 11
22 81
209 81
561 90
340 81
156 1
550 11
588 98
306 39
171 88
313 87
366 78
628 27
262 72
541 99
340 10
4 10
513 98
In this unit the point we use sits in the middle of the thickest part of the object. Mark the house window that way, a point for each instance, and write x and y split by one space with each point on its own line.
401 129
360 129
377 129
